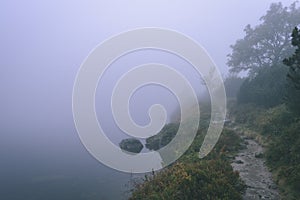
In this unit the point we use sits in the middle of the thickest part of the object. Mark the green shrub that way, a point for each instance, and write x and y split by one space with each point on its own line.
208 179
192 178
273 121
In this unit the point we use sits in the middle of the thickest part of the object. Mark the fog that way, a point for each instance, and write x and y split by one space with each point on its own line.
43 44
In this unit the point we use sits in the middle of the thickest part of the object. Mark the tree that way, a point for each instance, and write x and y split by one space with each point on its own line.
261 52
294 61
293 76
267 44
266 89
232 85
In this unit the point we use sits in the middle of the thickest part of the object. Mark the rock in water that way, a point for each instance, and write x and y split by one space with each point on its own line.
131 145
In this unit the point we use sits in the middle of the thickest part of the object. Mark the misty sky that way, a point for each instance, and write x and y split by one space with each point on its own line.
43 44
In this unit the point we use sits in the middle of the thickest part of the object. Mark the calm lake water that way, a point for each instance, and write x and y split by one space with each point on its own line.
89 182
42 171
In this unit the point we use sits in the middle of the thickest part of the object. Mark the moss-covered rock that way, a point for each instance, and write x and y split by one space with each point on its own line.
131 145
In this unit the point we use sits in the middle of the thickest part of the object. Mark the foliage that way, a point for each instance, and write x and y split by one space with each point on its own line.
169 130
192 178
283 155
261 52
261 95
245 114
267 44
274 120
266 89
229 142
163 137
232 85
280 130
293 76
213 179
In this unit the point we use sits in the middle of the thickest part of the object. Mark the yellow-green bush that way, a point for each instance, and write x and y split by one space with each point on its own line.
192 178
208 179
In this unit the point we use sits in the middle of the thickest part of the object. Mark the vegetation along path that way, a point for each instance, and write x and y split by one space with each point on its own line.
253 171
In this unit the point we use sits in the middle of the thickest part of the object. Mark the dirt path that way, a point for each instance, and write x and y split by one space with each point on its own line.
254 172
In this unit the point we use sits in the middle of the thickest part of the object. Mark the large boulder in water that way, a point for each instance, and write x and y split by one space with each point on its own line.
131 145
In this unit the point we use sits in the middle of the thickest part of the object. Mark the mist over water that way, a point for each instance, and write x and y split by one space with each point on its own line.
42 47
145 96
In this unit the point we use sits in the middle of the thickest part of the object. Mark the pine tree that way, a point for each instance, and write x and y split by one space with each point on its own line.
293 76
